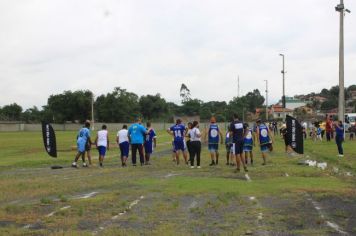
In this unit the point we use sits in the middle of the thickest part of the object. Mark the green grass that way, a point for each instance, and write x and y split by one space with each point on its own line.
208 201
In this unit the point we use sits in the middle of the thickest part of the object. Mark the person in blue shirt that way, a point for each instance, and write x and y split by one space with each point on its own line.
238 133
339 138
136 135
249 142
83 138
150 143
264 137
178 131
213 134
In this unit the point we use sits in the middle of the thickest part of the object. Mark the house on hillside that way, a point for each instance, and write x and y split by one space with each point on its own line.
292 103
277 111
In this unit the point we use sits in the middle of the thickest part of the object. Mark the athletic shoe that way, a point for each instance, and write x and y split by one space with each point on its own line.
198 167
74 164
85 164
340 155
101 164
192 167
212 164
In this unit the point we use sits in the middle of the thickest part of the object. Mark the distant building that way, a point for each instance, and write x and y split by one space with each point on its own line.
292 103
277 111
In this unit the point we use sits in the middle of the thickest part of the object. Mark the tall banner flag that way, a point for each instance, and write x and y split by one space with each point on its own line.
49 139
295 135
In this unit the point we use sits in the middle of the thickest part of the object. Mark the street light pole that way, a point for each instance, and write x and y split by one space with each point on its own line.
266 100
341 110
283 89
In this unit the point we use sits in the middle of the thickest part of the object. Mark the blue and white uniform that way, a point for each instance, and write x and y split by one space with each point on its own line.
82 139
264 138
149 141
123 142
213 138
178 133
248 141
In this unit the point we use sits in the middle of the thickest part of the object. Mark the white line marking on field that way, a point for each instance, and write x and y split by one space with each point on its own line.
248 177
287 175
85 196
252 198
132 204
27 226
335 227
170 175
332 225
61 209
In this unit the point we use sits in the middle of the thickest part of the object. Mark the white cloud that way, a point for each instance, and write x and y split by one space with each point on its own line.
150 47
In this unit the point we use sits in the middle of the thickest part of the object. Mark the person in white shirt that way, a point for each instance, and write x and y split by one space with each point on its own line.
102 143
122 139
195 144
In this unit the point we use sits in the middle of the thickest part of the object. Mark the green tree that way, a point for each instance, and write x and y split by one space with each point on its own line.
11 112
153 107
184 93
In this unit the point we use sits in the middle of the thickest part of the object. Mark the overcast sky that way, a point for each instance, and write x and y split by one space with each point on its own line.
154 46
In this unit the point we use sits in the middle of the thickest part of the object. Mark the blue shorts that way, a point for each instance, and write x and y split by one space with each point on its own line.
81 146
180 145
213 147
124 149
265 147
247 148
239 145
148 148
102 150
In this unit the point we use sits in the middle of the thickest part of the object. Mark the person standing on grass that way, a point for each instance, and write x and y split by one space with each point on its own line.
213 141
122 140
238 133
178 131
339 138
82 138
187 136
136 134
150 143
329 128
249 142
228 147
102 143
195 142
264 134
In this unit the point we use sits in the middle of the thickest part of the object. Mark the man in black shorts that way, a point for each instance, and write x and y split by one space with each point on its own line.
238 132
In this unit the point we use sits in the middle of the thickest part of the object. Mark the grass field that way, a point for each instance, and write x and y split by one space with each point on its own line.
282 198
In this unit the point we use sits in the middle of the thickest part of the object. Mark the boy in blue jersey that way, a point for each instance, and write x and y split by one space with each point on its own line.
213 134
249 142
178 131
150 143
83 138
136 135
264 137
238 133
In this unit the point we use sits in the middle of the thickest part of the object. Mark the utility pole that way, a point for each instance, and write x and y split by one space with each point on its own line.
341 110
266 100
283 89
238 86
92 111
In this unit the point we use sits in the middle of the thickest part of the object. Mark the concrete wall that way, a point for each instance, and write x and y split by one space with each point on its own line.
5 127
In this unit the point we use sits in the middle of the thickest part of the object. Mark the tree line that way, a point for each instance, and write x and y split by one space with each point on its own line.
121 105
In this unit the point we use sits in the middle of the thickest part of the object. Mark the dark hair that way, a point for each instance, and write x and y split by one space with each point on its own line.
195 123
103 127
178 121
190 124
246 124
124 126
148 124
236 116
87 124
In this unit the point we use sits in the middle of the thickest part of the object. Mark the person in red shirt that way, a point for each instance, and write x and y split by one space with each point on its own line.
329 128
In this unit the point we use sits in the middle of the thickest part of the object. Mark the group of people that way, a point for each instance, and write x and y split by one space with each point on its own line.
142 140
239 142
186 141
